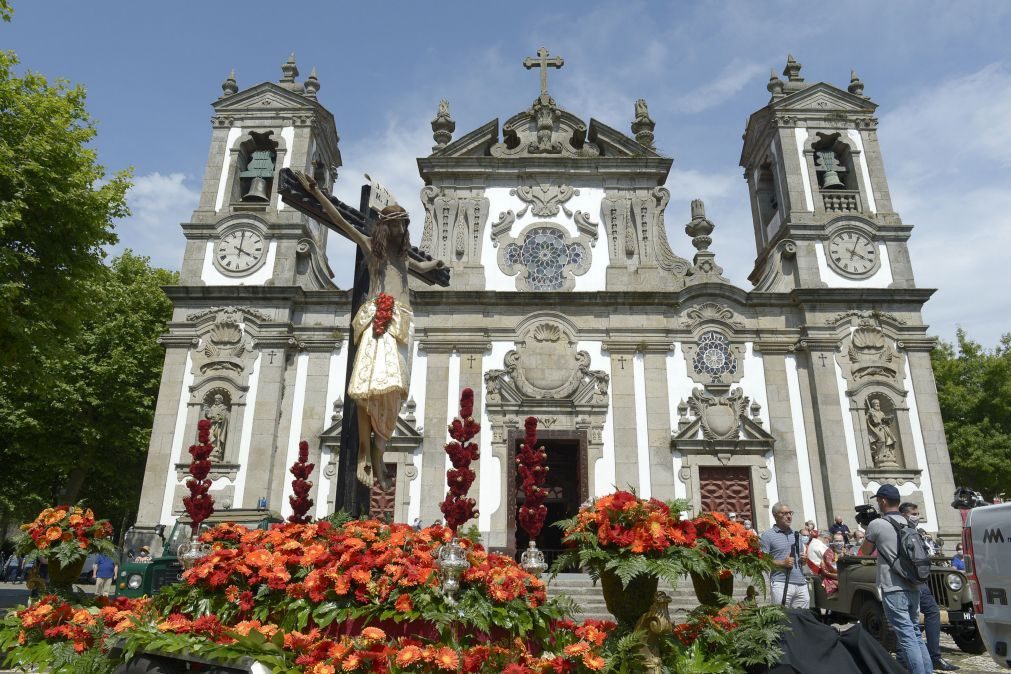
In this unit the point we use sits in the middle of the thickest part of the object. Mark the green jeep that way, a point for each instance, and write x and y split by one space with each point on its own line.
858 600
146 578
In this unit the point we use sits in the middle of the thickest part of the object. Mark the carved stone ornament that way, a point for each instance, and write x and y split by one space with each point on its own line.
719 415
719 422
714 360
636 233
217 410
545 258
544 129
454 220
227 349
711 312
884 439
544 200
546 365
868 354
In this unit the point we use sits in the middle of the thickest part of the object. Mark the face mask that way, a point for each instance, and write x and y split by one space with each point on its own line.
837 546
914 519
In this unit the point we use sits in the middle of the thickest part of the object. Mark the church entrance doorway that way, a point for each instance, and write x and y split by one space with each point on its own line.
567 484
726 489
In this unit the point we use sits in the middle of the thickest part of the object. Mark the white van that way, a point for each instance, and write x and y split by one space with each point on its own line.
986 542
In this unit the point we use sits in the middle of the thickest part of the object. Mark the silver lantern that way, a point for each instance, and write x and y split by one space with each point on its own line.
451 561
192 551
532 561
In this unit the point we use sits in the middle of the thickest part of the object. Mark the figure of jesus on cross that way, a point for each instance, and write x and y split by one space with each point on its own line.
381 375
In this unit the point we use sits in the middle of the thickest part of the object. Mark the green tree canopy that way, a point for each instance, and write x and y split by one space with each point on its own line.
56 213
86 435
974 389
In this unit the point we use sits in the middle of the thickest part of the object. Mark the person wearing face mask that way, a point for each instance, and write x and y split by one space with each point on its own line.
928 606
958 561
829 570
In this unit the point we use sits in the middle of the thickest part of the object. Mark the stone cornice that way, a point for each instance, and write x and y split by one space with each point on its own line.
177 340
572 167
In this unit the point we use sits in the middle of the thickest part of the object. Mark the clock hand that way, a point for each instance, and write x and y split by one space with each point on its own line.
854 253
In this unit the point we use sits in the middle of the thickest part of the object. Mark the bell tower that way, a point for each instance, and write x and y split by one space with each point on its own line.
242 233
820 203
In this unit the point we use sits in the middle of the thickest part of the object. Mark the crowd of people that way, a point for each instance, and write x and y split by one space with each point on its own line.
808 551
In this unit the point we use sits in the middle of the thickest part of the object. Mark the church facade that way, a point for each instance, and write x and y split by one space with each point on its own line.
646 369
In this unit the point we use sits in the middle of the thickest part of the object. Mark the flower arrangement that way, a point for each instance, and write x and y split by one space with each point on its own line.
457 508
530 462
199 504
384 314
299 500
65 535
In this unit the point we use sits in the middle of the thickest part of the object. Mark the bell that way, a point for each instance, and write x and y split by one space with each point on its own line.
832 181
257 191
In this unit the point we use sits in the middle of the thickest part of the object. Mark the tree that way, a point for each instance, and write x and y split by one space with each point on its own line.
86 434
56 213
974 390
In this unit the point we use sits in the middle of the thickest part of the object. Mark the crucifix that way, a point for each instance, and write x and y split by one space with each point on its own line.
621 359
822 357
470 361
380 326
271 355
543 62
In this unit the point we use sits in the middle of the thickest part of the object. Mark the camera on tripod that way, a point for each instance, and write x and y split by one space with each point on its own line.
866 514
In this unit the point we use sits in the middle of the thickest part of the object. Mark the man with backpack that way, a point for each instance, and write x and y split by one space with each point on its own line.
903 565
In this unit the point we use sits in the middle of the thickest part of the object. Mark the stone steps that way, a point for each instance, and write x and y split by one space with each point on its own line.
590 597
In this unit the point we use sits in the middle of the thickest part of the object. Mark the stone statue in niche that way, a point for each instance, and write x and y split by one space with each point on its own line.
879 430
218 413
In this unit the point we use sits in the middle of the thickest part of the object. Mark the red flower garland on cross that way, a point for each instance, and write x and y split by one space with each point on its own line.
384 314
457 508
199 504
300 501
530 463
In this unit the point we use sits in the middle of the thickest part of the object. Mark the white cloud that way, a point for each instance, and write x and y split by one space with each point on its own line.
946 153
734 77
158 204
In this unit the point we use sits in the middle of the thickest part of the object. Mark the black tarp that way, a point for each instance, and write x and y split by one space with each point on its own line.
810 646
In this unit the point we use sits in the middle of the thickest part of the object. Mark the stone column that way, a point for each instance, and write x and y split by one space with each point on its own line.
936 446
626 461
661 467
266 418
472 376
829 417
777 392
159 455
433 468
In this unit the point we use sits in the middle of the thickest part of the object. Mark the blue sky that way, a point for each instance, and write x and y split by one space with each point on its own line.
940 71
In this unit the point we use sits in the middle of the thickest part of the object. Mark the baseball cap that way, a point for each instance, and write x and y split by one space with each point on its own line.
889 492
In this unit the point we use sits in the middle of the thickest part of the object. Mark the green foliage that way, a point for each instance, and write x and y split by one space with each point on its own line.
85 435
57 209
974 391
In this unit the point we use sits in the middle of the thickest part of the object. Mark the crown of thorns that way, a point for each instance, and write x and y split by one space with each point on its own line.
395 215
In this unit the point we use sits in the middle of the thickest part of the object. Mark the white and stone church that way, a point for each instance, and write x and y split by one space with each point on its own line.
646 369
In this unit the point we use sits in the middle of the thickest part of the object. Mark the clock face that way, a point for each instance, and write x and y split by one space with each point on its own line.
853 253
239 250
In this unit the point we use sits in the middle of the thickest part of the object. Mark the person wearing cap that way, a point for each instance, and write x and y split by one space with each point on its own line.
144 556
900 597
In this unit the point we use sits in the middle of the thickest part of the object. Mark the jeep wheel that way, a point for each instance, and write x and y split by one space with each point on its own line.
969 641
872 619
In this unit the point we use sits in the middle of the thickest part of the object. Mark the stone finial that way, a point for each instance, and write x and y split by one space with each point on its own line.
792 69
775 85
856 87
229 86
443 126
338 410
643 125
311 85
289 71
704 267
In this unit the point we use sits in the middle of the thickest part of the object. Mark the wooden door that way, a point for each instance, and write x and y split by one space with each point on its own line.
726 490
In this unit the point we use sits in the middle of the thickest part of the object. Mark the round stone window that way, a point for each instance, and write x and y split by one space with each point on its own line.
713 356
545 255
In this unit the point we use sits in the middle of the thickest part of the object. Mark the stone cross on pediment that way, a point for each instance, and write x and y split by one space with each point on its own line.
543 62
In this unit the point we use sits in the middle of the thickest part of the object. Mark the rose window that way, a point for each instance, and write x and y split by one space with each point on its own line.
713 356
545 255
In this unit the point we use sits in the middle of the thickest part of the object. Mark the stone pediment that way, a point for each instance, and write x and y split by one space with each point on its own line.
825 97
265 95
544 130
614 143
720 422
477 143
407 435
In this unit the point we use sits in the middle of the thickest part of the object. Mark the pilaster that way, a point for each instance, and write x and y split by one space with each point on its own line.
661 468
781 425
433 469
626 462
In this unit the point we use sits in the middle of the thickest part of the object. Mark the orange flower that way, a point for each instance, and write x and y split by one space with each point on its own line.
446 658
232 593
351 662
594 662
373 634
54 533
408 655
404 603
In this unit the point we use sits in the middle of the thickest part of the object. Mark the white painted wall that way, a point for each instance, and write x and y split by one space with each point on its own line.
753 383
801 135
489 495
858 142
419 381
334 389
226 159
178 438
641 429
679 387
295 432
849 432
882 278
588 200
926 486
212 277
604 470
800 438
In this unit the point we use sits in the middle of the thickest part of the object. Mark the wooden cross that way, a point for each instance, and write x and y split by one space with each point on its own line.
543 62
470 361
621 359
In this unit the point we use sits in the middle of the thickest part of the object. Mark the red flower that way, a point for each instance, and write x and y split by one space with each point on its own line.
300 501
384 314
457 508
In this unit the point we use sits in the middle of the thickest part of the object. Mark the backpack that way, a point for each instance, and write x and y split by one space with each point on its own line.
913 561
